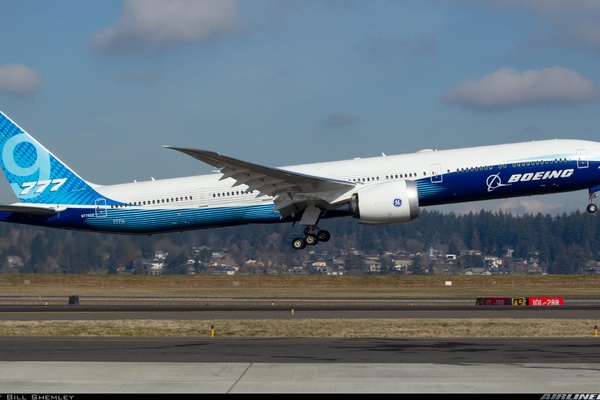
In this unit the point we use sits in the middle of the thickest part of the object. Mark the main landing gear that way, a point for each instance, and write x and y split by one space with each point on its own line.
592 208
312 236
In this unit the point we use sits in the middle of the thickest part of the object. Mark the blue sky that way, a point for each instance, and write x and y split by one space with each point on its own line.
106 84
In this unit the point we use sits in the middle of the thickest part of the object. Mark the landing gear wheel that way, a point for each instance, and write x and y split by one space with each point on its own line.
311 239
312 236
592 208
323 236
298 243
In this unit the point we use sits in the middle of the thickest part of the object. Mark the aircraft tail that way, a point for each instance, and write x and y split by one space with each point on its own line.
35 174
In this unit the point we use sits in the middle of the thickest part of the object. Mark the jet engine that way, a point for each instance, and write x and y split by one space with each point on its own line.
386 203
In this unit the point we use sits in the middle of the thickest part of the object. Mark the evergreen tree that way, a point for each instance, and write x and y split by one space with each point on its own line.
564 243
176 264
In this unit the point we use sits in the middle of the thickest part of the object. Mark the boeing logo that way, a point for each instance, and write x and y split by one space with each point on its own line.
530 176
494 181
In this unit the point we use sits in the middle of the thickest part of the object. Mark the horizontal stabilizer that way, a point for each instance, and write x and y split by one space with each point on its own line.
31 210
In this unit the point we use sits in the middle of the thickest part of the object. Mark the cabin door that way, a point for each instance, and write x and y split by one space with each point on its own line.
101 208
582 158
436 173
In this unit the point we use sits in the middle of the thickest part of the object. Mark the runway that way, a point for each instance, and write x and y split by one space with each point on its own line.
79 365
249 310
72 378
294 350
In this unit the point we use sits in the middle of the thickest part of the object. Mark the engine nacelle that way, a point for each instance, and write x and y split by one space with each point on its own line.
388 202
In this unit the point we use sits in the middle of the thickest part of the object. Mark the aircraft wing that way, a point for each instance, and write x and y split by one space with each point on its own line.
31 210
289 189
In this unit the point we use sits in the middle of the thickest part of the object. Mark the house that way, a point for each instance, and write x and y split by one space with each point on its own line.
477 271
223 266
156 267
14 261
372 265
402 264
297 270
492 262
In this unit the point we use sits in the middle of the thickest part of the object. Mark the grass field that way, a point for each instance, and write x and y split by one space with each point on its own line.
211 288
308 286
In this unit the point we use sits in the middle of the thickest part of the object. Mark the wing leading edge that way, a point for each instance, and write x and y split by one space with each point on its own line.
292 191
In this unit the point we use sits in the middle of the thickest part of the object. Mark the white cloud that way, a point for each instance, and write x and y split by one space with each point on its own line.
162 23
17 79
520 206
549 204
508 88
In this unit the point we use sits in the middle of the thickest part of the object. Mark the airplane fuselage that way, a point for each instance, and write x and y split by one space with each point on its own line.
441 177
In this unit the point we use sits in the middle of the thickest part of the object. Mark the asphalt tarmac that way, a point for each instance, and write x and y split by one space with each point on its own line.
112 365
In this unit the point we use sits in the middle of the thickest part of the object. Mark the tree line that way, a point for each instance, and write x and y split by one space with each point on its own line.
564 243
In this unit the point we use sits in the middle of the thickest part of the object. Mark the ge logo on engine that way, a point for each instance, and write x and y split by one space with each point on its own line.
397 202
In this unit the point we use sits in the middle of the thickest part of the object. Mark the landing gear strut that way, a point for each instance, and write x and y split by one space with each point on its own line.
592 208
312 236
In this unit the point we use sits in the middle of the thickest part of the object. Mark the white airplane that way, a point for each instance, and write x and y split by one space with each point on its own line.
375 190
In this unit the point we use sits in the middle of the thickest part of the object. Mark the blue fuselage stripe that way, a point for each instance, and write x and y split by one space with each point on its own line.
509 181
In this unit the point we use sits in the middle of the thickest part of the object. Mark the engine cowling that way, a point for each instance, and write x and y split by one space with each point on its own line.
388 202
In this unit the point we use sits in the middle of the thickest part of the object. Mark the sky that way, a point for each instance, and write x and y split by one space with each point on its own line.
106 84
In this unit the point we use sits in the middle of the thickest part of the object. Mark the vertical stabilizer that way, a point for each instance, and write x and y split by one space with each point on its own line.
35 174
